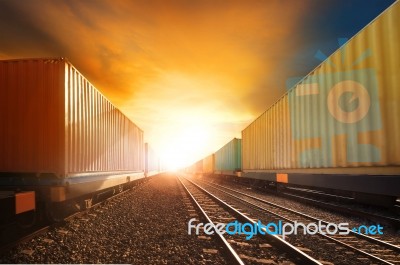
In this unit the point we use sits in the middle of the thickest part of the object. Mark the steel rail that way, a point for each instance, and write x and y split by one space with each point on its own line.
367 238
289 248
233 255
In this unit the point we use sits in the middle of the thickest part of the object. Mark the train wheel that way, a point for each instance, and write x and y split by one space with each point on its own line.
56 212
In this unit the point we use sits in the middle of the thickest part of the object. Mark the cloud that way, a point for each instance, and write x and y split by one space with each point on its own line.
169 65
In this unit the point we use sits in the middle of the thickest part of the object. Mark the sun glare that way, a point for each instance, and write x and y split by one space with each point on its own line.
184 148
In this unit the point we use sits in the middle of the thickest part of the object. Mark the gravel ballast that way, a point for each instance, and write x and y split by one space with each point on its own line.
390 235
145 226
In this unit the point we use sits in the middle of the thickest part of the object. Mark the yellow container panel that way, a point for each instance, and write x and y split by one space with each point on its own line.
209 164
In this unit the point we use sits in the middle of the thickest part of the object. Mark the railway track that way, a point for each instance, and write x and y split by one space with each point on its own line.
232 256
392 221
329 201
257 250
371 248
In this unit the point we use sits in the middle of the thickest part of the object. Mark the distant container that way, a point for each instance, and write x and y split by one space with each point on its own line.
228 158
208 164
342 118
198 167
54 122
152 164
190 169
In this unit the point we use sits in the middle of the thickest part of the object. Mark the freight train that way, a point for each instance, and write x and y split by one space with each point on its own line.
336 129
62 143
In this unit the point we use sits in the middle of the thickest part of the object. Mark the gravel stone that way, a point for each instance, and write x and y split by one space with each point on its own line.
147 225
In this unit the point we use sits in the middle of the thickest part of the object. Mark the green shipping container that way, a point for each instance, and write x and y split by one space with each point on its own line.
228 158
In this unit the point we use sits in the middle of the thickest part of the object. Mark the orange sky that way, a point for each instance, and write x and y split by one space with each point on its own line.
192 75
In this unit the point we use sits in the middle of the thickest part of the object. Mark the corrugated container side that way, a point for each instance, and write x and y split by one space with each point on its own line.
345 113
99 136
31 116
54 121
228 158
208 164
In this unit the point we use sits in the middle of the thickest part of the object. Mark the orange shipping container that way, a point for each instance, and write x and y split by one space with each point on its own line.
53 121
